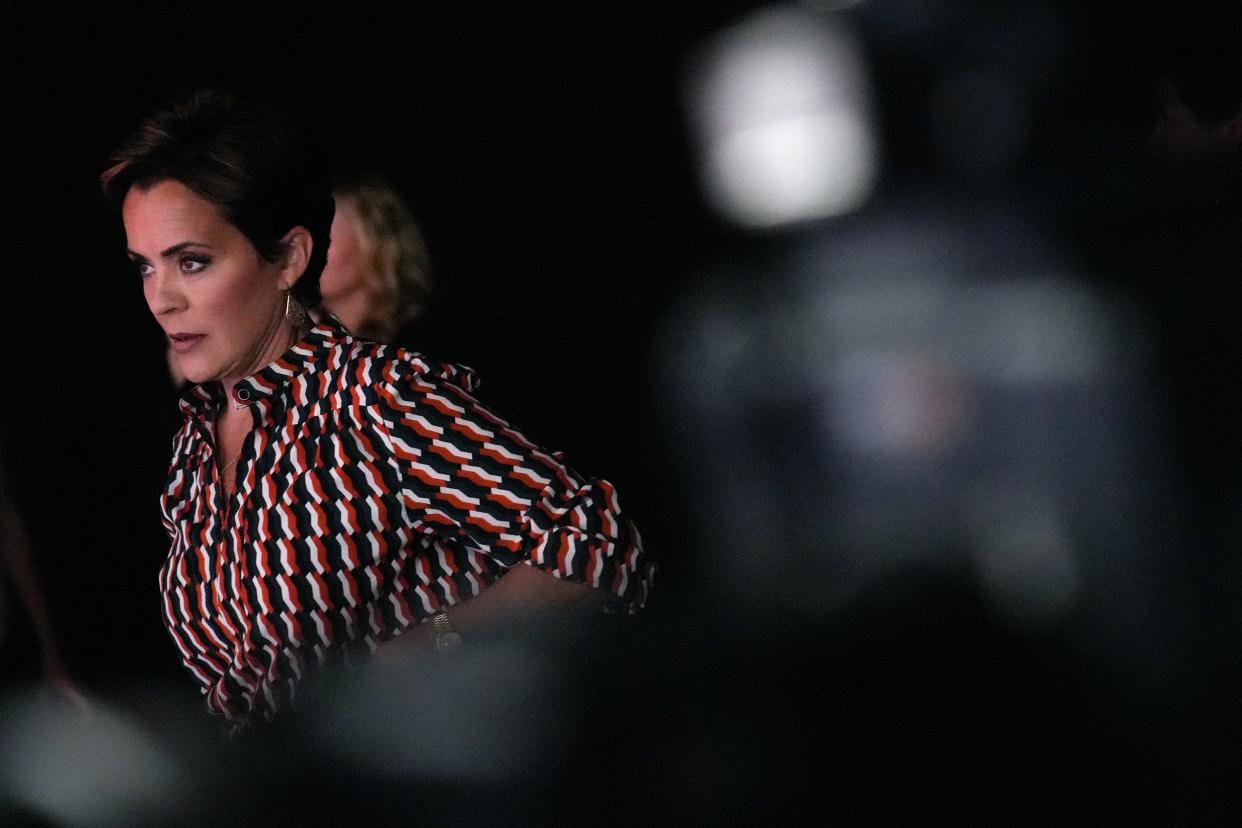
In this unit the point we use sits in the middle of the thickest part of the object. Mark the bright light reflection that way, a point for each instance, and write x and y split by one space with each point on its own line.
779 104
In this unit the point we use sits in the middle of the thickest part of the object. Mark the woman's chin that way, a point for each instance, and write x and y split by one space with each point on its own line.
195 374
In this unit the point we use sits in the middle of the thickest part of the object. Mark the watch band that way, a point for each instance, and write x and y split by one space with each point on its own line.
447 638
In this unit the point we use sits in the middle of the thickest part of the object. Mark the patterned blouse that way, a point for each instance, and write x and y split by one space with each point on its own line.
373 490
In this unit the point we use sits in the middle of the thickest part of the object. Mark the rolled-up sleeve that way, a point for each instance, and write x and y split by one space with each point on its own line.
472 480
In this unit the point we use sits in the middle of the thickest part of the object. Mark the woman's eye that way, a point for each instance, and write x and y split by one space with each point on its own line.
193 264
144 269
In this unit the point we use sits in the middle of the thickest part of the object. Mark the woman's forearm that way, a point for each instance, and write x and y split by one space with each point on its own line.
522 591
19 565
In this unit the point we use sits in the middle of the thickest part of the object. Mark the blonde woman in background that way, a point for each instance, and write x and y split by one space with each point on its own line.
377 276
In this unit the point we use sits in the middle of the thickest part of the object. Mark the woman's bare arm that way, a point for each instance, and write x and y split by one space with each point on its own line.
18 565
523 591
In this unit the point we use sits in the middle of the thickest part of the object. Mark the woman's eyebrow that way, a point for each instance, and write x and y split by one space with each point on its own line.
172 251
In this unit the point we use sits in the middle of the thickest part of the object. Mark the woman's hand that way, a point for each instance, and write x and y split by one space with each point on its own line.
523 591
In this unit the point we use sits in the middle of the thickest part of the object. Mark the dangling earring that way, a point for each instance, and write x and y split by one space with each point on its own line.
294 312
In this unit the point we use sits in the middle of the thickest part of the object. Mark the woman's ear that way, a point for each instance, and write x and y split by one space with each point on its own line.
298 245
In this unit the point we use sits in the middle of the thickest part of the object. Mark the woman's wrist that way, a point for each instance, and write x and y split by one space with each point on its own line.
446 636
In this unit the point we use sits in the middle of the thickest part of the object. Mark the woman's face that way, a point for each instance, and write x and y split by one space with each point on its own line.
345 271
219 303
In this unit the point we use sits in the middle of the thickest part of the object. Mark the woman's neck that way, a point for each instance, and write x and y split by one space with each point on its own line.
353 308
280 339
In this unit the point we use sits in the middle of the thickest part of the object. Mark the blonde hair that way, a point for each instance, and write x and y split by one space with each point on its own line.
397 277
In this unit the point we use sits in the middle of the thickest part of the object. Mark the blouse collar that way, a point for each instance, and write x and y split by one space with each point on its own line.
206 398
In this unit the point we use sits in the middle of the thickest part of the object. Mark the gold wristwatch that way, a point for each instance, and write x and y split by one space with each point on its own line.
447 638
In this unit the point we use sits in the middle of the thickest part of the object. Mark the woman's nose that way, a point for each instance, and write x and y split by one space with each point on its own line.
164 294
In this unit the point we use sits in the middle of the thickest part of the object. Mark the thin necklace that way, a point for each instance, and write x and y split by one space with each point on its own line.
229 464
241 449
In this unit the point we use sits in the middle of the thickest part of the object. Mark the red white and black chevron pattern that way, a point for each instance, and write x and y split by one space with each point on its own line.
373 490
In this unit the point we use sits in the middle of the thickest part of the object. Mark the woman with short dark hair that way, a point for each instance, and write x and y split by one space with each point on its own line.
326 493
257 166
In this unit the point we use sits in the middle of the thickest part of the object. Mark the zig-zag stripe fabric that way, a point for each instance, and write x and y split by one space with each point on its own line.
373 490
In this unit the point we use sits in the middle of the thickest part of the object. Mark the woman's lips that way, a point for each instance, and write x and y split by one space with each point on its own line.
184 342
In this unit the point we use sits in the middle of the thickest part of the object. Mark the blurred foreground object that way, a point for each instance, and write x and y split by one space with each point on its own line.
882 385
779 106
905 392
96 768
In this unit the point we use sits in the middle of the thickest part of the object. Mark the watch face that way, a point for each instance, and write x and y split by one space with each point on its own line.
448 641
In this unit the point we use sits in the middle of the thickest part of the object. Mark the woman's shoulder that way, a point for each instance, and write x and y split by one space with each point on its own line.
394 369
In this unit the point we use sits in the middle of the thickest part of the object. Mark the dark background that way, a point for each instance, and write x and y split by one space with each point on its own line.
544 151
